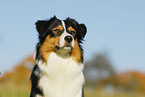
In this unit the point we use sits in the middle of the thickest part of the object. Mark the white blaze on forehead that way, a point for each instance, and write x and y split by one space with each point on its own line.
62 40
63 24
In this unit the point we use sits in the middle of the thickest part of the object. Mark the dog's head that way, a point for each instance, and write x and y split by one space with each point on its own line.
62 37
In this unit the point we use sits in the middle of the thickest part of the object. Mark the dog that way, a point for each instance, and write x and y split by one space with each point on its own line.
59 59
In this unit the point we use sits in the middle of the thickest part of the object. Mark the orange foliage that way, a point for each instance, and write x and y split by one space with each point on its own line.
132 81
129 81
20 74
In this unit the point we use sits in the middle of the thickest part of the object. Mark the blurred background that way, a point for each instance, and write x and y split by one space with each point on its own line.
114 45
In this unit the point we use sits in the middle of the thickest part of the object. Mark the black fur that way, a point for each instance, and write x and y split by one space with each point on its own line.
35 76
83 92
44 27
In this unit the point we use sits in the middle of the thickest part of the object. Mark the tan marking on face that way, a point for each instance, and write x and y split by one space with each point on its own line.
49 46
58 27
76 53
70 29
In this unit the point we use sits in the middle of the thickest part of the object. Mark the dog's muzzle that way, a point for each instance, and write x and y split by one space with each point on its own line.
66 39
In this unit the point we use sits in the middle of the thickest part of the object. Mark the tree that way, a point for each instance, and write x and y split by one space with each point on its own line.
98 68
20 74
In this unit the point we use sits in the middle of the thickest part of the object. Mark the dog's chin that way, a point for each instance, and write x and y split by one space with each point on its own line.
64 51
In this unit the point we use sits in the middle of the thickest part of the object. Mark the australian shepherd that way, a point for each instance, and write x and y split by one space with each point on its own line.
59 59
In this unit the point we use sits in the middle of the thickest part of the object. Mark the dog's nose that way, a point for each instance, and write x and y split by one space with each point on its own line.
68 39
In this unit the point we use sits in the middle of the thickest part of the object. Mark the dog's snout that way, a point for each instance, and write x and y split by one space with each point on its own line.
68 39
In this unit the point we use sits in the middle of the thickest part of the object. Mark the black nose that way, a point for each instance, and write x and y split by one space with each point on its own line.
68 39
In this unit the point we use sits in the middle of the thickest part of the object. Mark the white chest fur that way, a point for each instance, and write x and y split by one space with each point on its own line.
62 77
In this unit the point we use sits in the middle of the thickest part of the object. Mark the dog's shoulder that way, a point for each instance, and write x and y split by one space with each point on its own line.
35 77
36 73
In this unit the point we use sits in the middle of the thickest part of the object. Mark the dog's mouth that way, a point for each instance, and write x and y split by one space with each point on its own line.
66 47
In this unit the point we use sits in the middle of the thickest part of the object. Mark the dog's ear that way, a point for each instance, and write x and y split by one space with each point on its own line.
40 26
83 30
43 26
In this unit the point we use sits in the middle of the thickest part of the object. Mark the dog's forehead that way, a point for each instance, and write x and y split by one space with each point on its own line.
63 24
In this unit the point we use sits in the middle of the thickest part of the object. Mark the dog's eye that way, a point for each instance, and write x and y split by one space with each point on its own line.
73 32
56 31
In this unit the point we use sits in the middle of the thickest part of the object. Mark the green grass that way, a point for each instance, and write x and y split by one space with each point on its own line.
100 93
14 91
24 91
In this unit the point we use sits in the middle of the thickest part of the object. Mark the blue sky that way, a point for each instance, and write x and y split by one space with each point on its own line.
114 26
